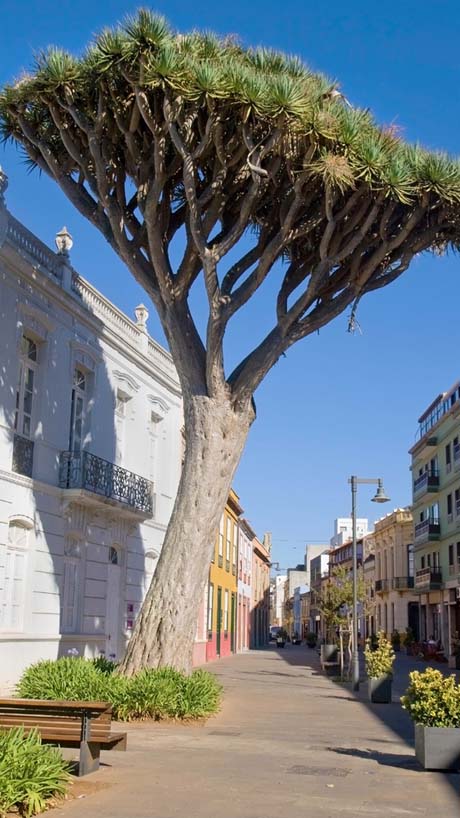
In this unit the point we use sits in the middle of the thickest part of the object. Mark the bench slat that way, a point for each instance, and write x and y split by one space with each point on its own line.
95 707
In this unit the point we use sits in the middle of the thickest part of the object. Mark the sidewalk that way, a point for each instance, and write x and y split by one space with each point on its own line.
289 743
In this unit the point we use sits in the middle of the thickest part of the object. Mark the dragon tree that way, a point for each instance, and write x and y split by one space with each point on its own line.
241 164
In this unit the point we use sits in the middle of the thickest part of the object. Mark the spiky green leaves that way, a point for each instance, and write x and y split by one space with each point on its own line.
344 146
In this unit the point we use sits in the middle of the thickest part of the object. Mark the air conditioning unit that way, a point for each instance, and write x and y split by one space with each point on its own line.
457 592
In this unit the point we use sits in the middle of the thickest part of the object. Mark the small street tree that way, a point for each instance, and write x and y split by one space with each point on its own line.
243 164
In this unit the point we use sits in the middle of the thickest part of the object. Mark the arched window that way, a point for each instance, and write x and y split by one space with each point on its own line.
13 575
113 556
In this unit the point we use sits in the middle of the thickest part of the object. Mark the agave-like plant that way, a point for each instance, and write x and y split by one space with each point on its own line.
194 142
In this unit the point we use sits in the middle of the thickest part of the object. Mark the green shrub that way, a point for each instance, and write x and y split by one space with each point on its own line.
162 693
380 658
432 699
106 666
311 638
66 678
30 773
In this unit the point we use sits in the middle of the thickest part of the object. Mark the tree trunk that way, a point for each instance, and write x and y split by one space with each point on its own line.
165 628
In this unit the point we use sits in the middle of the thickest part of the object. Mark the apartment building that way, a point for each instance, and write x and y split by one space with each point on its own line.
436 512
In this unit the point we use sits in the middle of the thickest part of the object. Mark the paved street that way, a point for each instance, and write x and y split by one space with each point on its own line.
289 742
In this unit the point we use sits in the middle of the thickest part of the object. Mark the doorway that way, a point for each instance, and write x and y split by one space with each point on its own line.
112 616
219 620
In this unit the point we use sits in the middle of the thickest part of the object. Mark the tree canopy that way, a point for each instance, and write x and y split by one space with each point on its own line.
151 133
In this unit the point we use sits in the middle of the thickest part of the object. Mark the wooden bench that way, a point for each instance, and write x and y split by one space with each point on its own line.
85 725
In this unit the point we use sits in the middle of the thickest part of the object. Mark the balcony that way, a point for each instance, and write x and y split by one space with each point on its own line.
428 579
382 585
427 482
454 569
98 481
427 530
23 455
402 583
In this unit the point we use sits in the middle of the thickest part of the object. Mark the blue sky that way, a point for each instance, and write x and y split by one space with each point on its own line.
338 404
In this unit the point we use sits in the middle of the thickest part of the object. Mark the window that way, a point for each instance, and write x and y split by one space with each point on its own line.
226 611
235 545
448 458
422 563
457 502
221 542
428 560
449 508
210 605
458 552
113 556
69 587
228 544
26 387
451 554
12 577
121 402
77 410
410 560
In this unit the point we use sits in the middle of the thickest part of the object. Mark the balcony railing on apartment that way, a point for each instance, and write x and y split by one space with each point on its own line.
427 530
427 482
382 585
428 579
402 583
454 569
83 470
23 455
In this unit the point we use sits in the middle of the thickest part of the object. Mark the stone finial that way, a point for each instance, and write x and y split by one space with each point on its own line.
141 312
64 242
3 184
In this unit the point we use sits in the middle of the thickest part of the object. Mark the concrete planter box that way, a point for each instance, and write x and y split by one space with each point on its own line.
329 653
380 689
437 748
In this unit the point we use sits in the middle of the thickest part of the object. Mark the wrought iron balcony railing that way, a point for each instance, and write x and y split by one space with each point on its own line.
83 470
402 583
427 530
428 579
23 455
428 481
382 585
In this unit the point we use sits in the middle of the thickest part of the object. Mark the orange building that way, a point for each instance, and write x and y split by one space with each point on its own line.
216 630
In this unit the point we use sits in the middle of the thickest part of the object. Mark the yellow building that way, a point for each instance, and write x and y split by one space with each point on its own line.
223 584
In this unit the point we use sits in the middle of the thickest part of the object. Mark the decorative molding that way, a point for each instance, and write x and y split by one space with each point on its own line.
85 356
119 531
160 407
23 520
76 520
36 320
130 385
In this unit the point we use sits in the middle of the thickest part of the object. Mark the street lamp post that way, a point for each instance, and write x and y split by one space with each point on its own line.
380 497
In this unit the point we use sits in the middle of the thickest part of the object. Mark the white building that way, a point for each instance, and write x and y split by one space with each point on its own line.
90 457
312 551
279 598
343 530
245 539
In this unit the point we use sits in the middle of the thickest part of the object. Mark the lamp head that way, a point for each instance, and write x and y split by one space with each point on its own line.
380 496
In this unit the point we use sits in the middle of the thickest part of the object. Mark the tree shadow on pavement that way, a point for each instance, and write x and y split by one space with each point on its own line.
406 762
392 715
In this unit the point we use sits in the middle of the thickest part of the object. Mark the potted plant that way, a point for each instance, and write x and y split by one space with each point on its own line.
454 659
379 668
396 640
409 640
311 639
433 703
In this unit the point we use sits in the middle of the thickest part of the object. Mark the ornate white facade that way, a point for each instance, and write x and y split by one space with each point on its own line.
90 457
